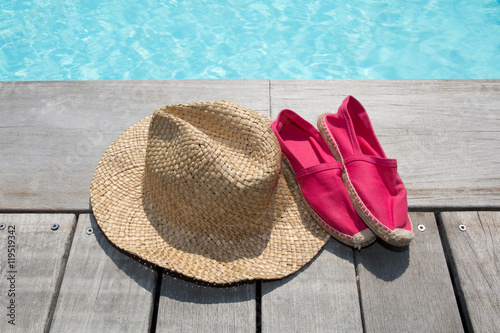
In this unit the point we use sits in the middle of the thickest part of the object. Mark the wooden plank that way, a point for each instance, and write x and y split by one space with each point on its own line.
103 290
32 260
408 289
189 307
59 130
322 297
476 266
441 131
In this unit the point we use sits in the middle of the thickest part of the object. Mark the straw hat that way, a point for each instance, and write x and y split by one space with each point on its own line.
200 189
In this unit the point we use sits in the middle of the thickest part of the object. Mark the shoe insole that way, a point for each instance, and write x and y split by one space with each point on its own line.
306 150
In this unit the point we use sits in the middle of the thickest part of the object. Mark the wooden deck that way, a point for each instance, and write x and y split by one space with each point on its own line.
445 135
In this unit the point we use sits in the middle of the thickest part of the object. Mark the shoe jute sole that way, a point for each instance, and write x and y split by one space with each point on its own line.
361 239
396 237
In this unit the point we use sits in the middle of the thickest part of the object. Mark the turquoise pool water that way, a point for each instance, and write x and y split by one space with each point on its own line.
283 39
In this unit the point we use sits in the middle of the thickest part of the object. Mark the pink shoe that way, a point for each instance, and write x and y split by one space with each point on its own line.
376 190
319 177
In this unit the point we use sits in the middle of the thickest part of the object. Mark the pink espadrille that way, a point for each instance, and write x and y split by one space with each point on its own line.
376 190
319 177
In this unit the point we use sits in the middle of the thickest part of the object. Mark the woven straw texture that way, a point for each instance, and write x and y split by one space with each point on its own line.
200 189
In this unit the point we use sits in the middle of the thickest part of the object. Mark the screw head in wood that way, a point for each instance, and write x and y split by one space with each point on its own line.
462 227
54 226
421 227
90 231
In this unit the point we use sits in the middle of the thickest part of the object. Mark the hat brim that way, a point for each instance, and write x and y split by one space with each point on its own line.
293 239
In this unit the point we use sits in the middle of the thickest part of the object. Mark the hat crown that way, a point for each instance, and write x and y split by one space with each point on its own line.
211 168
199 189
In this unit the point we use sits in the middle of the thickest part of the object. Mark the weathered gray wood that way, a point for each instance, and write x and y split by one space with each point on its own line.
444 133
437 129
322 297
408 289
188 307
30 279
476 266
58 131
103 290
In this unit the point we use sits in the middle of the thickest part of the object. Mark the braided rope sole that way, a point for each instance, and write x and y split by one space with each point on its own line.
340 236
366 215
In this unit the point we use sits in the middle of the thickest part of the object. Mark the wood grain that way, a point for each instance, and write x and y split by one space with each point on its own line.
476 265
443 132
322 297
437 129
188 307
408 289
53 134
30 281
103 290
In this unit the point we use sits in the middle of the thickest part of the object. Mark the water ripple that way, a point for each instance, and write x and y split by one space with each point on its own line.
92 40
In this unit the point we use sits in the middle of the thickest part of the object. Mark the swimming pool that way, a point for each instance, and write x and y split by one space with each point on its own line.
283 39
